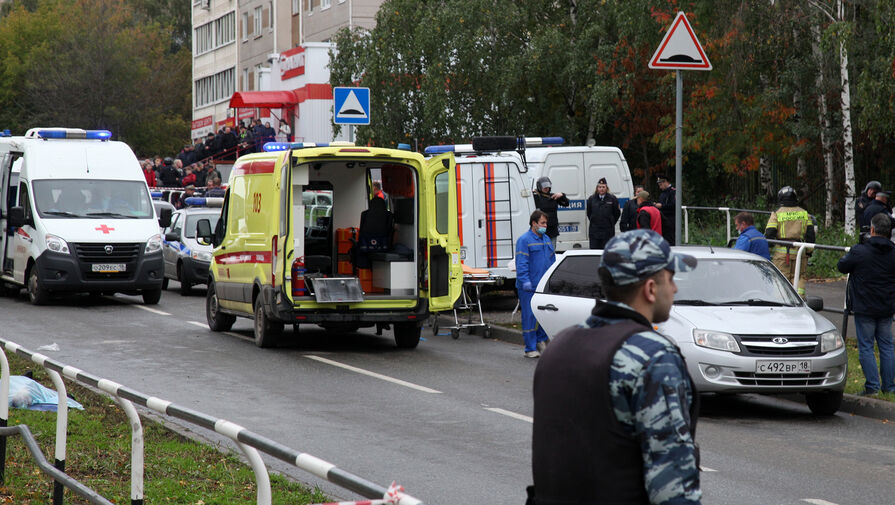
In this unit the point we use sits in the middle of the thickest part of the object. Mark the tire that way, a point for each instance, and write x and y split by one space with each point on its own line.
37 295
455 333
165 283
435 325
217 320
10 290
185 287
151 296
407 335
825 403
267 332
487 332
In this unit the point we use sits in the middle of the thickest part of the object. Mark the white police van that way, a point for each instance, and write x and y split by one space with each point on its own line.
496 179
76 216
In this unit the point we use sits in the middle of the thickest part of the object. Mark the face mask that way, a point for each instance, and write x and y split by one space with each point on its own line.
541 230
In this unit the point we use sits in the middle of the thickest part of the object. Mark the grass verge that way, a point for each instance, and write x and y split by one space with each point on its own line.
177 469
855 381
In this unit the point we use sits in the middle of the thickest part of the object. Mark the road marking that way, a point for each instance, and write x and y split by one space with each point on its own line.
707 469
237 335
508 413
368 373
197 323
817 501
149 309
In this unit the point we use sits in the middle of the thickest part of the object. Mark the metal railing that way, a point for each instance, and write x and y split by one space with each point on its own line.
726 211
248 442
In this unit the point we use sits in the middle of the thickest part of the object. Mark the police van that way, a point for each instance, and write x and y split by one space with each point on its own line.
496 179
370 259
76 216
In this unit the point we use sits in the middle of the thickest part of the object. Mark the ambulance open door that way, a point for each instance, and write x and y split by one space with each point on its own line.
438 212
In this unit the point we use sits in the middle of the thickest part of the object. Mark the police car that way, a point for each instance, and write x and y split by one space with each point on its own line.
187 258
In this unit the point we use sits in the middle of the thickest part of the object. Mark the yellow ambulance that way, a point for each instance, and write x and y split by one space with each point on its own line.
376 243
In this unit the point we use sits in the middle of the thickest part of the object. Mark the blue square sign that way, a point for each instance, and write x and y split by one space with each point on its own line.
351 105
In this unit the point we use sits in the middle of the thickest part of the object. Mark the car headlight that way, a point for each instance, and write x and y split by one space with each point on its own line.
830 341
153 245
57 244
716 340
201 256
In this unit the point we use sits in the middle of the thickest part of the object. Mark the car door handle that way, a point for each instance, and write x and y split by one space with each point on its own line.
550 307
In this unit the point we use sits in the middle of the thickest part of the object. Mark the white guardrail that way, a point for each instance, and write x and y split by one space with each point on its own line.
248 442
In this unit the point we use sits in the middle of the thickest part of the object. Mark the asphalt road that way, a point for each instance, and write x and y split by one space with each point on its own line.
456 430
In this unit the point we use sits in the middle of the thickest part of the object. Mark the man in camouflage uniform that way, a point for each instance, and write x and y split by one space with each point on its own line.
614 407
791 223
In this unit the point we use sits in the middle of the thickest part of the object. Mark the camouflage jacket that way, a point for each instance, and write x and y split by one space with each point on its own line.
651 395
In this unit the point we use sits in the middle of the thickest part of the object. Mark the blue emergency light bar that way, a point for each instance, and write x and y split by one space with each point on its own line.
6 133
156 195
529 142
202 201
75 134
285 146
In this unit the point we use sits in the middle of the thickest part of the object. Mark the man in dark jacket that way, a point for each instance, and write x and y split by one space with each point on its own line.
168 177
666 204
863 201
228 143
602 213
879 205
548 203
628 220
871 296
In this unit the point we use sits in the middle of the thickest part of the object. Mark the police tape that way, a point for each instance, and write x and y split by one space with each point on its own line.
392 497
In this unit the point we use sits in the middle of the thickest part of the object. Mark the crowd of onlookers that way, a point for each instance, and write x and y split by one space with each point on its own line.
194 165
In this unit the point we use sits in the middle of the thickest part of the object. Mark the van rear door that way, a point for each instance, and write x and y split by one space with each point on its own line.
438 206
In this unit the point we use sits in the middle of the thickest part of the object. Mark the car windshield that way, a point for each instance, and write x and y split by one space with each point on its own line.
734 282
92 199
192 219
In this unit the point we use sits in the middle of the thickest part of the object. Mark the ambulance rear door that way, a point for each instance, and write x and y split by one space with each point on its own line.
438 204
7 201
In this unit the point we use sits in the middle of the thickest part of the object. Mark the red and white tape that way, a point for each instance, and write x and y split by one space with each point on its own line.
392 497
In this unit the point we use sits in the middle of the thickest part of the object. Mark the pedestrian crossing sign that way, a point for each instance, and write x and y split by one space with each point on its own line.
351 106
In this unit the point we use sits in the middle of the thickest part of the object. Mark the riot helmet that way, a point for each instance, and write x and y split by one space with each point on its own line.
169 160
874 185
544 184
787 196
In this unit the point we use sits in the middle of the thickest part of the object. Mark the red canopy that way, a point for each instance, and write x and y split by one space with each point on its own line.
265 99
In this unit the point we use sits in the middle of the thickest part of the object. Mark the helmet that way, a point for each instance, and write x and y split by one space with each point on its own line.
544 182
169 160
874 185
787 196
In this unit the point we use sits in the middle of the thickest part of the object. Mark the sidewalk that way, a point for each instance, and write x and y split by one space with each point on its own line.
498 312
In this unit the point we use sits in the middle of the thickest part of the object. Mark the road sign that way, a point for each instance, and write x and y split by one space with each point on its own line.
351 105
680 50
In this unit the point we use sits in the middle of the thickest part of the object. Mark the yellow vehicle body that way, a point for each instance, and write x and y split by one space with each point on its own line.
271 265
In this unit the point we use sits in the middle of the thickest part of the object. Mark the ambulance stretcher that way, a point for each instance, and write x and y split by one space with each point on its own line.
470 303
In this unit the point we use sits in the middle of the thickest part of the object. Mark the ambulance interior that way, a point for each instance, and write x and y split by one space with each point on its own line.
350 230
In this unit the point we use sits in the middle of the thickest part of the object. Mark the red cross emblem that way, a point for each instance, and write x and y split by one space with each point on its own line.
105 229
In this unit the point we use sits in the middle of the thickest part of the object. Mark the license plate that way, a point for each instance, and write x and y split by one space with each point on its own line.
783 366
568 228
108 267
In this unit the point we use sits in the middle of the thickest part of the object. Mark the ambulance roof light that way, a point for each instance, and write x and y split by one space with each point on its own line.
461 148
285 146
404 147
6 133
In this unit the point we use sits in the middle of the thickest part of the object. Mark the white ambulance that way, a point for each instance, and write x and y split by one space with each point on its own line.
76 216
496 179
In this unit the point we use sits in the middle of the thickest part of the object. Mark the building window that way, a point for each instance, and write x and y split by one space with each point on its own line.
245 26
296 5
257 28
270 15
213 88
309 6
244 85
215 34
325 4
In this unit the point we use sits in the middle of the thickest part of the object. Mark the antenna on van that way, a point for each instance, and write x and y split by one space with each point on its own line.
520 148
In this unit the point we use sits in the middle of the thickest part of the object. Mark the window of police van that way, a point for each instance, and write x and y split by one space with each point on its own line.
79 198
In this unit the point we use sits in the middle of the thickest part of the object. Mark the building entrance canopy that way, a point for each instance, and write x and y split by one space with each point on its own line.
264 99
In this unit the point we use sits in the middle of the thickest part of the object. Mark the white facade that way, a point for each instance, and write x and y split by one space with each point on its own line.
215 59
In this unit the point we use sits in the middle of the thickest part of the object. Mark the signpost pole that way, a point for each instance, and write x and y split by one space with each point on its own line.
678 179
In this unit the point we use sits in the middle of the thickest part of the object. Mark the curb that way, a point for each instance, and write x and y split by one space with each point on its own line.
863 406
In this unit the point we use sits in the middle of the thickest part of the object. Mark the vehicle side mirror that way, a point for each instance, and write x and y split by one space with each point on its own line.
17 217
203 230
218 233
815 303
164 217
172 236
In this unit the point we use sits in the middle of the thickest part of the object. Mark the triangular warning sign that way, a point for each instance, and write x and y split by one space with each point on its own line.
680 50
351 108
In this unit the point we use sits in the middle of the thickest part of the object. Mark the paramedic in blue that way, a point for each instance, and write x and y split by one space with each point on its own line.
534 255
750 240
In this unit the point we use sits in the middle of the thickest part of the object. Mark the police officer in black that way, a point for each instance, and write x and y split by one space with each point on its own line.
548 202
602 213
665 204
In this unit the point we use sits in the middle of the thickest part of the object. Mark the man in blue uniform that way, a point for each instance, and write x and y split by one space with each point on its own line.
534 255
750 239
614 407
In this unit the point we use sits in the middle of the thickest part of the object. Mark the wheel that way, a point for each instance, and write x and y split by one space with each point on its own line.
217 320
435 326
151 296
267 332
455 333
165 283
825 403
487 332
9 289
407 335
296 329
185 287
37 295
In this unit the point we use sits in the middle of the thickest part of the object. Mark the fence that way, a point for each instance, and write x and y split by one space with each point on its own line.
248 442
